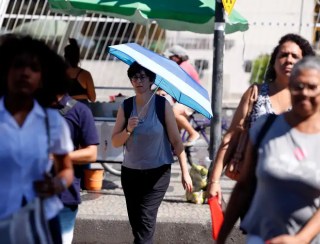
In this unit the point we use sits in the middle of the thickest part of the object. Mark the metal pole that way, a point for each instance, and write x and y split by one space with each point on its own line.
217 82
301 16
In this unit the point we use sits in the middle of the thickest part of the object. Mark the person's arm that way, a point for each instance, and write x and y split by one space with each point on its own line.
176 142
214 188
304 236
91 93
241 195
84 155
63 167
63 178
87 136
119 134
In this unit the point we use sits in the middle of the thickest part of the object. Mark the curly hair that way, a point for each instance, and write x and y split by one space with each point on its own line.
304 45
72 53
136 67
53 67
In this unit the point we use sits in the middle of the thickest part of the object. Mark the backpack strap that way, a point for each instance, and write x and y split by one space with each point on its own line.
263 131
160 105
70 103
265 128
161 110
127 108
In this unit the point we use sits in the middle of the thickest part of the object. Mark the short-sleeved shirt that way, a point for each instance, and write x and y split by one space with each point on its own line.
24 156
288 186
83 133
187 67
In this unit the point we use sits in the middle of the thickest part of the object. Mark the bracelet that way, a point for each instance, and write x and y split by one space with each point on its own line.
214 182
128 132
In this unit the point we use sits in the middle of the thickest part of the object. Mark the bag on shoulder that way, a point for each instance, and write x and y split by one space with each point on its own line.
233 159
27 226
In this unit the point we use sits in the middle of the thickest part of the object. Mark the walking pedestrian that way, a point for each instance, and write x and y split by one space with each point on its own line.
285 170
273 97
181 112
85 140
146 137
31 75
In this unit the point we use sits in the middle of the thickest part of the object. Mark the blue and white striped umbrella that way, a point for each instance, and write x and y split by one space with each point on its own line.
170 77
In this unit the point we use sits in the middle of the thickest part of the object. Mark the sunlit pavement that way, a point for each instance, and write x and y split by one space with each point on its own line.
102 216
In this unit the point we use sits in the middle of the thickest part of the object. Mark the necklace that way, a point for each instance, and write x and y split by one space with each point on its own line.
298 151
144 111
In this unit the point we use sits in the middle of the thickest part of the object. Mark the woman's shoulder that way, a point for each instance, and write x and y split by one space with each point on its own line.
250 93
84 73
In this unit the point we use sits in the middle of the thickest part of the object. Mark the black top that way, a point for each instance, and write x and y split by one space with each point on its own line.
75 87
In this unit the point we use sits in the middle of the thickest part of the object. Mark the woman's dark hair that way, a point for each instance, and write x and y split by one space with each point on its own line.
136 68
72 53
304 45
52 66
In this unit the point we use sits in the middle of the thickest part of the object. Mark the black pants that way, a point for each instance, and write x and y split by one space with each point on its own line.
144 191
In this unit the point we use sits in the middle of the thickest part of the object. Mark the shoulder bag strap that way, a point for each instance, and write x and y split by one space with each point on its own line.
252 99
263 131
70 103
47 129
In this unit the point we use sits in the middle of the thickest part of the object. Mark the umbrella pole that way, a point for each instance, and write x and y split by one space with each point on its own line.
217 83
145 106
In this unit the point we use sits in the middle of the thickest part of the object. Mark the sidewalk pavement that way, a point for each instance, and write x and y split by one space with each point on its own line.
102 216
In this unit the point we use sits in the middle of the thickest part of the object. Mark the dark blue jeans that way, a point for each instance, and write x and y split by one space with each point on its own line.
144 191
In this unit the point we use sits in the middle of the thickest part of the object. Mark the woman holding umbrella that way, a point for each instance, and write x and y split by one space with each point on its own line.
148 157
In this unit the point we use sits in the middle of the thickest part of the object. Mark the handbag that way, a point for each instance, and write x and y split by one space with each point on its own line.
26 226
234 155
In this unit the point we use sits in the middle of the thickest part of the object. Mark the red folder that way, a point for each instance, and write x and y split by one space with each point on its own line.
216 216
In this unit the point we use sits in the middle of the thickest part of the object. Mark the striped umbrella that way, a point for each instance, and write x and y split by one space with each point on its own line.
170 77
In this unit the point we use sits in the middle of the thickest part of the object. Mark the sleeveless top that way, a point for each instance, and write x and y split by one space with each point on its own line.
75 87
288 185
262 105
148 146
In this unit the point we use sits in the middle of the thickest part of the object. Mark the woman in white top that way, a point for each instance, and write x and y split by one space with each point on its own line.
30 77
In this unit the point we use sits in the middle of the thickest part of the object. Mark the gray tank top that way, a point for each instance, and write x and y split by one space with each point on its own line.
288 185
148 146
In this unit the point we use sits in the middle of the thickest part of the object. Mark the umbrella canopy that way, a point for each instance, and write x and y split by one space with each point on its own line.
43 28
180 15
170 77
50 29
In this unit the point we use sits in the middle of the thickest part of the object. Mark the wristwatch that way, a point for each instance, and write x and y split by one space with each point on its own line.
128 132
